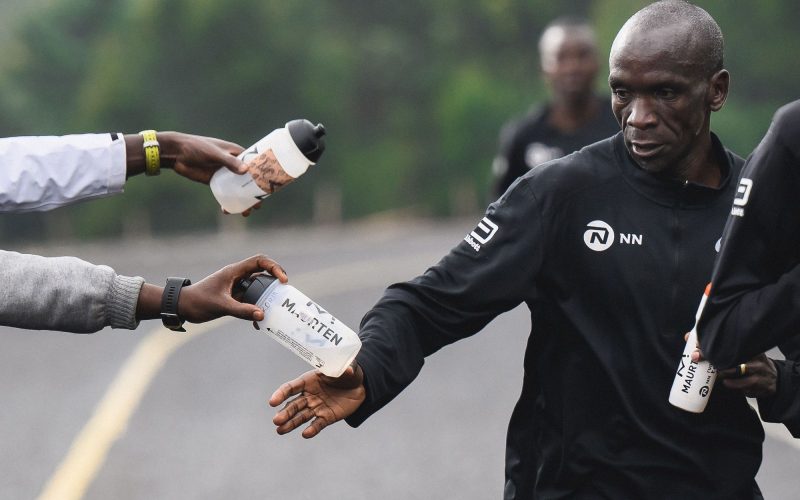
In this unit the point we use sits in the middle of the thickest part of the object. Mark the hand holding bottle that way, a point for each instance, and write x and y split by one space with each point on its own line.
757 378
301 325
276 160
694 380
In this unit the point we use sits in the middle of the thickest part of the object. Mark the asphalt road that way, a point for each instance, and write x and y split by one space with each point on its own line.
155 415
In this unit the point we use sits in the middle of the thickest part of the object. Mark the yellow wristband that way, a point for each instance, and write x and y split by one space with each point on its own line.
152 157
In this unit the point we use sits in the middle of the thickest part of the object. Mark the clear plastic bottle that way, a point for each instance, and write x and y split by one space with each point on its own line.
693 381
276 160
301 325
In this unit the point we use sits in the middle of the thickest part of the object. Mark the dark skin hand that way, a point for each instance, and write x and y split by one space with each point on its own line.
192 156
760 377
318 399
212 297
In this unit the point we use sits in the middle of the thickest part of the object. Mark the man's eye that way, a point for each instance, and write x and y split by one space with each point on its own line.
621 94
666 94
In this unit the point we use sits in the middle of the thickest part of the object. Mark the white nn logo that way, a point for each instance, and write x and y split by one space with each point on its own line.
598 236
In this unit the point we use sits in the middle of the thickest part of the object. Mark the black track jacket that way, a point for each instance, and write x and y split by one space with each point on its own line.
612 262
755 297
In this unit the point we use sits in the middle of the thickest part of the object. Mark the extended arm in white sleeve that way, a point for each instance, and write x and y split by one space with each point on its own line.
46 172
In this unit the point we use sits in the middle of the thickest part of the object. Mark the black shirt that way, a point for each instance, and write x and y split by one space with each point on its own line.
611 262
532 140
755 294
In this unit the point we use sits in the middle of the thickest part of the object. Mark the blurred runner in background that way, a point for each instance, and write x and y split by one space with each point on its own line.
575 116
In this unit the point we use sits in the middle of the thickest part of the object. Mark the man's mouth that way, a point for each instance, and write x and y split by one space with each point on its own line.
646 149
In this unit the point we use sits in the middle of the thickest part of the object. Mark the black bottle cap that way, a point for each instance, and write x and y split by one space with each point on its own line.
308 137
253 288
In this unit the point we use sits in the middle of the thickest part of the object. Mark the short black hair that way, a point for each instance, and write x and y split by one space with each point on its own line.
707 36
568 23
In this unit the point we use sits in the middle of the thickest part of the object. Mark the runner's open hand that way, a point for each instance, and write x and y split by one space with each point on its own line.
321 400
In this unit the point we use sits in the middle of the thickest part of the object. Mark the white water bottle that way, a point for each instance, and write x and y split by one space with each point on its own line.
276 160
301 325
693 381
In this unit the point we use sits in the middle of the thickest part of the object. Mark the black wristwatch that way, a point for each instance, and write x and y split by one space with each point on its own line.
169 303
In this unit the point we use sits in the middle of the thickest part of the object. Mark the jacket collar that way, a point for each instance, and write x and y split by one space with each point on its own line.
672 192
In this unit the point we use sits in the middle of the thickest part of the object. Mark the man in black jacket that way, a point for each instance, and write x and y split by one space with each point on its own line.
756 283
610 248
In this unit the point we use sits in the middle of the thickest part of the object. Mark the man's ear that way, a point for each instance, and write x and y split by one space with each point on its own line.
718 89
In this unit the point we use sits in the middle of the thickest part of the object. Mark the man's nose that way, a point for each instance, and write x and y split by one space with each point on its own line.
642 114
571 64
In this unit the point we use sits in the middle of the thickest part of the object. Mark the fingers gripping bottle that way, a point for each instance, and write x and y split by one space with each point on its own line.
693 381
301 325
276 160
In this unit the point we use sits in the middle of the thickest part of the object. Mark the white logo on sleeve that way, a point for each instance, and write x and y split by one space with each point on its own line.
598 236
482 234
742 196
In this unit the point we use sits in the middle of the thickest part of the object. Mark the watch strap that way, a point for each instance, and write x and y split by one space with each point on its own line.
169 303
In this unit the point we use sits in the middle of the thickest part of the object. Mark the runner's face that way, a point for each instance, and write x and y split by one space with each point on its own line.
569 63
660 99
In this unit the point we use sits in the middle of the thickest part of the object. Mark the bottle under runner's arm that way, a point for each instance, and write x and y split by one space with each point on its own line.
693 381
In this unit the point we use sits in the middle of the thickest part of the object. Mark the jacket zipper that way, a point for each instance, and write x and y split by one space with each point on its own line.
677 257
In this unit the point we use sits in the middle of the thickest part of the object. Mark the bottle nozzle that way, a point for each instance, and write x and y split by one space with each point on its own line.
308 138
251 288
241 286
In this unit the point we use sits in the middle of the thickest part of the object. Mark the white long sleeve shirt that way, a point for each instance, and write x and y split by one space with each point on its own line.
47 172
62 293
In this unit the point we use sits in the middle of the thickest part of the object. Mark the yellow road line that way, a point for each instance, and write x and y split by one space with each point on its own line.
89 450
110 418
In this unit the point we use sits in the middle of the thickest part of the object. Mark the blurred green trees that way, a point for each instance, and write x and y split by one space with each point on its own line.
412 93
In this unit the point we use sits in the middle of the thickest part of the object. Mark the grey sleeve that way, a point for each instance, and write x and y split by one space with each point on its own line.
64 293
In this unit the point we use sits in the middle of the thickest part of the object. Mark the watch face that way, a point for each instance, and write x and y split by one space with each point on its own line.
172 321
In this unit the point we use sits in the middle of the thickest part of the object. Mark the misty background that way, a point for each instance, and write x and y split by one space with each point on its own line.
412 94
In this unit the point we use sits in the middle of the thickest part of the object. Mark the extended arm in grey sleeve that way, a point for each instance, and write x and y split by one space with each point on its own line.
65 293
